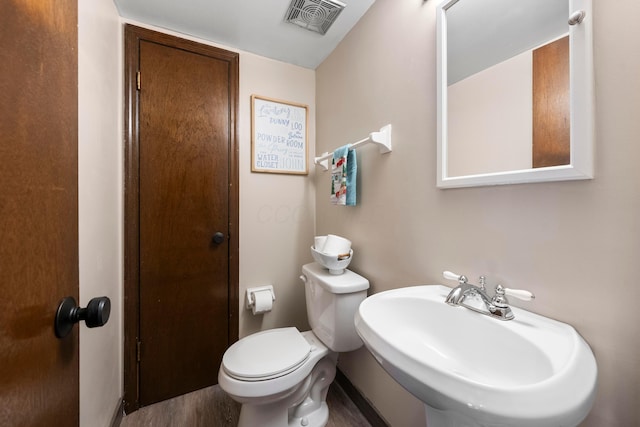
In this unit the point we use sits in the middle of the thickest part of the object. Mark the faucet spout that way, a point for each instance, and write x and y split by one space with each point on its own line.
458 294
496 306
464 290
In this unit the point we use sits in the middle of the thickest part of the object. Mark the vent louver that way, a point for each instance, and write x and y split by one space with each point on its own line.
314 15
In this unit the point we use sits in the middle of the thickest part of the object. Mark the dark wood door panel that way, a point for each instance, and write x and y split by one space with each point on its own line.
38 211
181 189
184 179
551 105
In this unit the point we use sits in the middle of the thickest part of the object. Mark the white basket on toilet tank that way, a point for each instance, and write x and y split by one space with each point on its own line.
332 252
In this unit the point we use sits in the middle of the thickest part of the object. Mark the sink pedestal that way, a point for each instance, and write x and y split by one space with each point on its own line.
439 418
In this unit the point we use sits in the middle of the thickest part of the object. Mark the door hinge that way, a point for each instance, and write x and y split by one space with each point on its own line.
138 80
138 345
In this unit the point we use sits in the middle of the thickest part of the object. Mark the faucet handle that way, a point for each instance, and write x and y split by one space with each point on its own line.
499 299
449 275
520 294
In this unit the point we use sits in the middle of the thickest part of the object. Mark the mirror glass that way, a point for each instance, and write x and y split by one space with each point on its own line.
515 91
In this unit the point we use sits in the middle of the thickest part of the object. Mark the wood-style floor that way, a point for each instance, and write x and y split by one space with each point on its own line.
211 407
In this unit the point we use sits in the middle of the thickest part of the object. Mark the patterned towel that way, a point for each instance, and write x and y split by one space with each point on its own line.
343 176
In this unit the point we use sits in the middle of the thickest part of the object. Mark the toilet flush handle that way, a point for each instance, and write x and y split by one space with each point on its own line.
303 278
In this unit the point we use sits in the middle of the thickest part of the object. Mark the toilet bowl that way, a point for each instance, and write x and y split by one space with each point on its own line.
281 376
266 400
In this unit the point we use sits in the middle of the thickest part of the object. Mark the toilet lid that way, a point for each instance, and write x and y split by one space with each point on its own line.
267 354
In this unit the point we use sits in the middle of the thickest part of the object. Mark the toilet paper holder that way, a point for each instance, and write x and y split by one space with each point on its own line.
250 298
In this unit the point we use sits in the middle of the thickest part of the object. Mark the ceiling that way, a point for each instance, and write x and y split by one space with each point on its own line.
255 26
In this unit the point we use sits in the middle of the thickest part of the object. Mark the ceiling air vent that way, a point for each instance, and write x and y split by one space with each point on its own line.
314 15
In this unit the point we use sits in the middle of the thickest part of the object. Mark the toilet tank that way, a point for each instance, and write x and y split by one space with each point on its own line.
332 303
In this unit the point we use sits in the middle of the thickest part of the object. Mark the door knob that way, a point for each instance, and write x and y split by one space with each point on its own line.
96 314
218 238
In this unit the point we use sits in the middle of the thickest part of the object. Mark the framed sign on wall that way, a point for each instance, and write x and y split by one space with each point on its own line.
279 138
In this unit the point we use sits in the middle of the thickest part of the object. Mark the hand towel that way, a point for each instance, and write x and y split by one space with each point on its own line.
352 170
343 176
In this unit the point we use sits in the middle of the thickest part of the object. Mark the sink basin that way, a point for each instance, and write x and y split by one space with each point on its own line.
473 370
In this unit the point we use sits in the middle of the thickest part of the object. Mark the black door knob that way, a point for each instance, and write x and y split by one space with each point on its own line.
218 238
95 315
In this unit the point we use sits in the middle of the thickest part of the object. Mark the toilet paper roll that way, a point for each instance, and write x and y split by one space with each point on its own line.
262 302
318 242
336 245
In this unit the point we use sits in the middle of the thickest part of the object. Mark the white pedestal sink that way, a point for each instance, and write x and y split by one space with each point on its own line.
472 370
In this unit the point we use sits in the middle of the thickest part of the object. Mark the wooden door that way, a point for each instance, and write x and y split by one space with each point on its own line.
551 105
38 211
185 217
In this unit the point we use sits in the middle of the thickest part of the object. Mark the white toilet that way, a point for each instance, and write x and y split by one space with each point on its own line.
281 376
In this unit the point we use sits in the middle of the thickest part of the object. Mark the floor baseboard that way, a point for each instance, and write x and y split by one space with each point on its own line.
116 419
367 410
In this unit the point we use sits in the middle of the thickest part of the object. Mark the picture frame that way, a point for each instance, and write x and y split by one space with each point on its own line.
279 136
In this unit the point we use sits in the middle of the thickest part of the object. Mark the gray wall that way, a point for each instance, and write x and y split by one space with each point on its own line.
576 245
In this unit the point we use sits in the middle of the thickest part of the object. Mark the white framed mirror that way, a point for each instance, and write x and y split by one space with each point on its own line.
515 92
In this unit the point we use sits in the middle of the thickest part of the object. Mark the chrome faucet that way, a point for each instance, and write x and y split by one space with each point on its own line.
496 306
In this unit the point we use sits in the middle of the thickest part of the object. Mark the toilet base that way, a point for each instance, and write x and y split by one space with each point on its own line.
317 418
304 406
254 415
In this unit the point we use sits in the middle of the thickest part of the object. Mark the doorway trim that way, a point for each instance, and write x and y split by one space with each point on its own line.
133 36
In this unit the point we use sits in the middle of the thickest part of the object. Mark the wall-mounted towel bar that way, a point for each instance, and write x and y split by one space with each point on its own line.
382 139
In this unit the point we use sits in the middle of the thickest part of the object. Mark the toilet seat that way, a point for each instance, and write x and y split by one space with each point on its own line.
266 355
